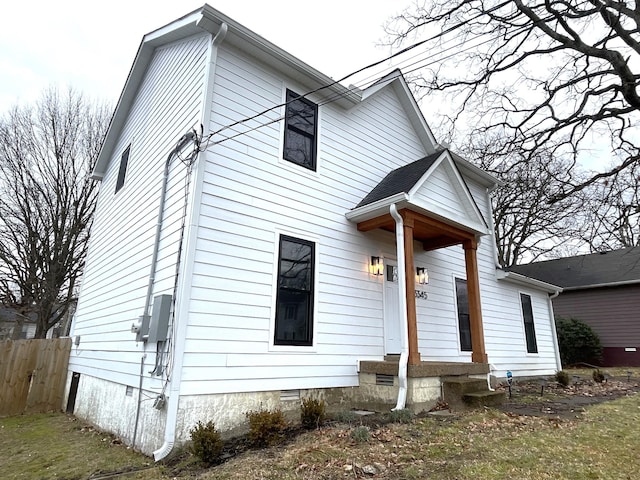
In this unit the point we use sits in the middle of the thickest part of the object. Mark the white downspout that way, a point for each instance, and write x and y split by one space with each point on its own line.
402 292
554 333
179 339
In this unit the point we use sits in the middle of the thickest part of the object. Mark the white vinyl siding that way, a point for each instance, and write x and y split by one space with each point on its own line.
117 272
249 197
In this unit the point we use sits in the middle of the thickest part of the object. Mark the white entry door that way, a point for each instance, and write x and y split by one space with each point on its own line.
392 338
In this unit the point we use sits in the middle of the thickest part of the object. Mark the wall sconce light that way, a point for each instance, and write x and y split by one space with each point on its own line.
377 267
423 275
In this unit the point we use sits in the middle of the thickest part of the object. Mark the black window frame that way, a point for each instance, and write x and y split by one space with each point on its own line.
122 171
290 128
285 294
464 322
529 323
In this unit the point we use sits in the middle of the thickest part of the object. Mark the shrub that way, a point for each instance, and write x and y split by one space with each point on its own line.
266 427
578 343
206 442
361 434
562 378
598 376
312 413
401 416
345 416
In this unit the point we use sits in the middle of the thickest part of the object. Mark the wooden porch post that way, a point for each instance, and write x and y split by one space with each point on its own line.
410 282
478 355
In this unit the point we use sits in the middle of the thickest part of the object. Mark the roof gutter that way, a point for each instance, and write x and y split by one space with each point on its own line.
402 292
554 333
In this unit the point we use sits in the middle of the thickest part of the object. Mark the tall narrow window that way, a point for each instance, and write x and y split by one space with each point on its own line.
300 131
123 168
529 327
464 326
294 302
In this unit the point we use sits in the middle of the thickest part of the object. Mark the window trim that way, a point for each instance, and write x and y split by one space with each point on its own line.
294 347
457 312
314 137
122 170
536 350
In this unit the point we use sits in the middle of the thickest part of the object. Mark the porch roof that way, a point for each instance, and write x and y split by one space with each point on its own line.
432 187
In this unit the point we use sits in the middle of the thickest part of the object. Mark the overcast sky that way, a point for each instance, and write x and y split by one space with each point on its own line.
90 45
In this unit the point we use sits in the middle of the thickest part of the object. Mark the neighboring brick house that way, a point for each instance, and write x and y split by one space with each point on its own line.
602 290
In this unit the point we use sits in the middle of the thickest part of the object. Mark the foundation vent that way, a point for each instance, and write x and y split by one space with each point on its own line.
289 395
385 380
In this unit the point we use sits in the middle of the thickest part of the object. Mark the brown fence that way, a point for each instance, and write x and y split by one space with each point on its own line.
33 375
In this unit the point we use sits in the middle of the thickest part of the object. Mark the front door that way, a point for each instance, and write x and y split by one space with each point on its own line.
392 316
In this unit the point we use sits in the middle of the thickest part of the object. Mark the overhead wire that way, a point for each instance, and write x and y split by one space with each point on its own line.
206 140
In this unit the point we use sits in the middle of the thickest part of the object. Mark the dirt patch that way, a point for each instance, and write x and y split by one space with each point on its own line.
550 399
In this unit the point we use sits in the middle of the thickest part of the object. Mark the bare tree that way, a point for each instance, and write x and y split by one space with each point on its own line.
47 200
528 225
615 218
558 76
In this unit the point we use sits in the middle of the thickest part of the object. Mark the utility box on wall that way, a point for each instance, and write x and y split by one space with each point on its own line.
160 314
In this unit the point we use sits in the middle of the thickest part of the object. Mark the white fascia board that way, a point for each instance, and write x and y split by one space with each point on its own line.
476 173
397 82
519 279
478 223
375 209
208 19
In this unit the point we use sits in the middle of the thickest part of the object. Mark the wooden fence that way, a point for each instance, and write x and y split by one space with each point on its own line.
33 375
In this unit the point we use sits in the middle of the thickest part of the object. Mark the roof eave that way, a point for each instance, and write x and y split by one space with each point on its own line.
523 280
375 209
603 285
208 19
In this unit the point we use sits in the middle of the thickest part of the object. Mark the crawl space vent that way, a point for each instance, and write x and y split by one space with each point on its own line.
289 395
386 380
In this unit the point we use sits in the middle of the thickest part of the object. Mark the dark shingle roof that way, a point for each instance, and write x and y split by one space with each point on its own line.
585 270
400 180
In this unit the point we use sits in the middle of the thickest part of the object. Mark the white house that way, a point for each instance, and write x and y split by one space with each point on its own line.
263 234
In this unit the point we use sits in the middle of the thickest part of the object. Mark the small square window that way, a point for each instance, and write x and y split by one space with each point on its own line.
123 168
301 118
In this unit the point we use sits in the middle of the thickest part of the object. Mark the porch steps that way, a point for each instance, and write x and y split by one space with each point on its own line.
462 392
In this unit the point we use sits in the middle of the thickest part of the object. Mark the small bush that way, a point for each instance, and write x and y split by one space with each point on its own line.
563 378
266 427
346 416
312 413
577 342
401 416
598 376
361 434
206 442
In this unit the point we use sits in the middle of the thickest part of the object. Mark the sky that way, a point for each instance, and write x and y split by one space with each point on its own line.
90 45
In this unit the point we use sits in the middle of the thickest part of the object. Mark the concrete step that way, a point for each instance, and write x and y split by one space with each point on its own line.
484 399
459 385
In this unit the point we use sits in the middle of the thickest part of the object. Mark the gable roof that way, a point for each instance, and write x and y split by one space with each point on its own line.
411 186
209 20
616 267
400 180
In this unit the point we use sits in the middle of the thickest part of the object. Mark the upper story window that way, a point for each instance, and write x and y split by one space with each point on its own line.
123 168
300 131
294 301
464 325
529 326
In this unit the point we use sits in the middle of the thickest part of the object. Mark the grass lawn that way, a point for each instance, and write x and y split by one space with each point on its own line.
599 442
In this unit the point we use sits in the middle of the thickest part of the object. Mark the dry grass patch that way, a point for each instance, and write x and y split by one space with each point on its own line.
57 446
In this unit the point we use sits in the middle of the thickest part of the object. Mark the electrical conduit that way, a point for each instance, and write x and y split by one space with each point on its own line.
174 391
402 292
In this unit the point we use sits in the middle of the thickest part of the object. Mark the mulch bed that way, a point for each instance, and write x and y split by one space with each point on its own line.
550 399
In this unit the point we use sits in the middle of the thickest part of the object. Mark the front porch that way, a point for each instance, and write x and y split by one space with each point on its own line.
458 384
